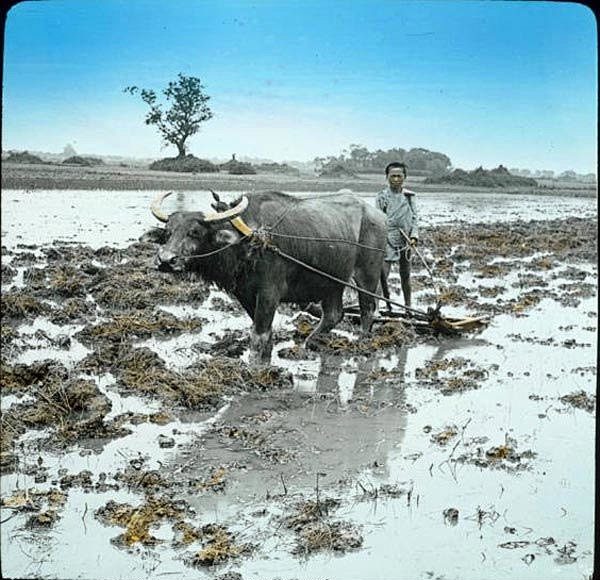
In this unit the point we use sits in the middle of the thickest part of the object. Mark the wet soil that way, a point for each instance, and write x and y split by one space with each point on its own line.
283 449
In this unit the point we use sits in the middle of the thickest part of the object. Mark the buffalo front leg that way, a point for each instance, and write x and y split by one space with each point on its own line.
261 342
333 312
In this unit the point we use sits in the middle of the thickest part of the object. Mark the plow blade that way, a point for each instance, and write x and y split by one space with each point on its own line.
431 321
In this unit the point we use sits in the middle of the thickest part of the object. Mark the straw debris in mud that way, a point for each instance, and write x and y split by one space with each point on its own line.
72 407
505 456
316 531
66 280
580 400
203 384
438 374
127 288
139 325
216 481
218 546
73 310
388 335
138 521
137 479
445 435
46 504
19 304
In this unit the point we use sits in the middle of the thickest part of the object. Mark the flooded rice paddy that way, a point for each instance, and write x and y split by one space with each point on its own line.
138 442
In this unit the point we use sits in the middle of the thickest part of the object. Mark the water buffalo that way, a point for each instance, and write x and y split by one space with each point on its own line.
340 234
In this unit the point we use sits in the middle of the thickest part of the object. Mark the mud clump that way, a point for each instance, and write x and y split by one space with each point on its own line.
137 325
218 546
232 345
46 506
440 374
445 435
73 408
388 335
142 480
316 531
73 310
7 273
580 400
505 456
19 304
202 385
138 521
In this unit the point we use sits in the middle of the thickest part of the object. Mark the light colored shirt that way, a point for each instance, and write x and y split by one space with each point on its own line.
401 211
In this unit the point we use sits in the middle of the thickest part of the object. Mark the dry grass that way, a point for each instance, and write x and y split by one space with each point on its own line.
19 304
219 546
140 325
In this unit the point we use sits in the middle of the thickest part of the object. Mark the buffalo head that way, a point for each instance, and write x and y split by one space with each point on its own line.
190 234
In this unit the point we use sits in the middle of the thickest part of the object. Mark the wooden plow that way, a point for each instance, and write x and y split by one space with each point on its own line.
426 322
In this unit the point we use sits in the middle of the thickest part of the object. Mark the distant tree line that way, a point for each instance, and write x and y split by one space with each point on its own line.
568 175
358 159
498 177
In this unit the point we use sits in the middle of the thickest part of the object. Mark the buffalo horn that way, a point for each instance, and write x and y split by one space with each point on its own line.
155 207
228 214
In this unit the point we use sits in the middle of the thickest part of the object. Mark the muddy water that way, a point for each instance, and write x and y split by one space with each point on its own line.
339 430
97 218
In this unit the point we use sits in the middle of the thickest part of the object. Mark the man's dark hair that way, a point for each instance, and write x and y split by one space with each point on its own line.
394 165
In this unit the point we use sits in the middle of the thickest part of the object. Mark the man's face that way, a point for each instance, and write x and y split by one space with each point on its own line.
395 178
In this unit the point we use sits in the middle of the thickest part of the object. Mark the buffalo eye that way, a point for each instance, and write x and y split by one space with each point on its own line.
197 232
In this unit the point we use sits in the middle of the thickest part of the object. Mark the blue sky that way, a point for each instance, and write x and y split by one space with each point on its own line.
483 82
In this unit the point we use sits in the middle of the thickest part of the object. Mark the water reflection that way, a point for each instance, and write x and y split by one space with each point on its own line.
354 412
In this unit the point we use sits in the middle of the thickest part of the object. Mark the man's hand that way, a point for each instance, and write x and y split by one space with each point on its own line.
414 242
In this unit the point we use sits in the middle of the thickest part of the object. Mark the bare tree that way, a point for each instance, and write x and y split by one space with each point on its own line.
185 105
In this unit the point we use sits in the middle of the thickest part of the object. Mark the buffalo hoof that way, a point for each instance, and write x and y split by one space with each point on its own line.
261 346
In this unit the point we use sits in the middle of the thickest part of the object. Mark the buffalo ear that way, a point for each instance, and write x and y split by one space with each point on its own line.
217 206
226 236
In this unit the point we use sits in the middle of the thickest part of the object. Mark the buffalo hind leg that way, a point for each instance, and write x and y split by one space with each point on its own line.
333 312
261 341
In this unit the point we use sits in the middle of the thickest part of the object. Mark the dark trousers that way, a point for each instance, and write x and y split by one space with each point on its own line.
404 268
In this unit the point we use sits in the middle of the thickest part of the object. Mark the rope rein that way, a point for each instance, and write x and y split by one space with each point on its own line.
219 250
337 240
263 235
263 242
416 313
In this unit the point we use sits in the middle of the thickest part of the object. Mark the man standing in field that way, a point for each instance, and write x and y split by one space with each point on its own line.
398 203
